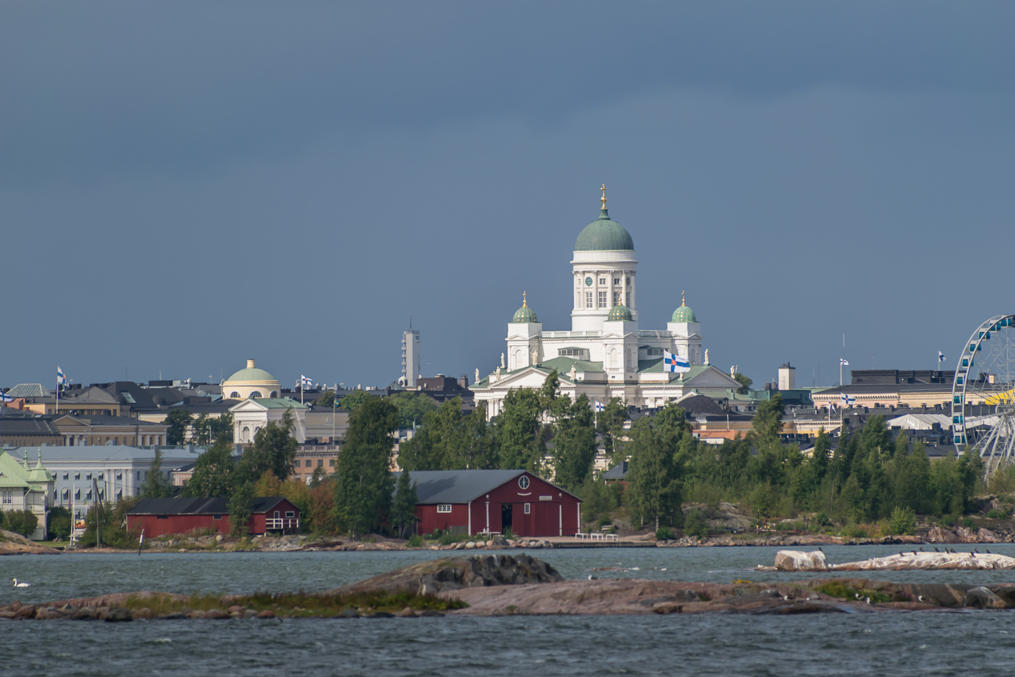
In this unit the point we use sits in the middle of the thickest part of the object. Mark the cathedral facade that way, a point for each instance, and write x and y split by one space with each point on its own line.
604 354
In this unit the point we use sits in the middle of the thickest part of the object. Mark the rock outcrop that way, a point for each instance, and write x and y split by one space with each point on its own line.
795 560
427 578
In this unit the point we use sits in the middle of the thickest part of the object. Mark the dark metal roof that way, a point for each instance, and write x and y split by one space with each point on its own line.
460 486
198 506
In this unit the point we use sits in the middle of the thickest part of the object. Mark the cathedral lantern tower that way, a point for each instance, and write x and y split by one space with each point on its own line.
603 272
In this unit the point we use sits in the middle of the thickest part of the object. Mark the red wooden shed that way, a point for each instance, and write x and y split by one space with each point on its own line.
493 501
161 516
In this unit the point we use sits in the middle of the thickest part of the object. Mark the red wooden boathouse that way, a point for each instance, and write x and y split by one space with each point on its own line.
492 501
160 516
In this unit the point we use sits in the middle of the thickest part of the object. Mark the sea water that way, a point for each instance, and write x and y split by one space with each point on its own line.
898 643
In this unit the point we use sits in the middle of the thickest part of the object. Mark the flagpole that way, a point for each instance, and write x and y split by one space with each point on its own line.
57 394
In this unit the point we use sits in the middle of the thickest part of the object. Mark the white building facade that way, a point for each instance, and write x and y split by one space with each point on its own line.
604 354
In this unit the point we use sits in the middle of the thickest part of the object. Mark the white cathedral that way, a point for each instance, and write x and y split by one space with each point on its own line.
604 355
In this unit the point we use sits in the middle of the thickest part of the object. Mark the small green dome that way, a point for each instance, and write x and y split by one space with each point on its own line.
250 373
525 314
604 234
684 314
620 312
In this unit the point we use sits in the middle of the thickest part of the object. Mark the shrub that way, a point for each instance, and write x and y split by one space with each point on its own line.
59 524
664 534
695 524
414 541
903 521
20 522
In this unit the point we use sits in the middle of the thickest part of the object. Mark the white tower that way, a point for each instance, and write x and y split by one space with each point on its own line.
524 347
410 357
603 271
686 332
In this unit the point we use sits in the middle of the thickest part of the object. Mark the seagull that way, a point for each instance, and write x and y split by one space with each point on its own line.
22 584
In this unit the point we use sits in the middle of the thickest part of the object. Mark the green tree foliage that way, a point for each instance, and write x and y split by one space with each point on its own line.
178 422
111 522
598 500
744 381
59 523
156 484
273 449
327 399
657 449
767 423
207 430
363 483
403 507
213 472
411 408
518 431
240 503
352 401
574 442
610 424
19 521
449 440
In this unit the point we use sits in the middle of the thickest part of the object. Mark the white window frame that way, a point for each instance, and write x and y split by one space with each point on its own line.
444 508
527 508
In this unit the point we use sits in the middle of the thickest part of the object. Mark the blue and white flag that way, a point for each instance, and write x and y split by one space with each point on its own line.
843 362
61 378
940 357
306 381
600 406
847 400
675 363
4 397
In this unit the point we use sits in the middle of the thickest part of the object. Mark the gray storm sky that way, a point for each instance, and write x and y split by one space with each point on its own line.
185 185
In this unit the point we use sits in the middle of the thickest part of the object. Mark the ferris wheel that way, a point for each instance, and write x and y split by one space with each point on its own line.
983 393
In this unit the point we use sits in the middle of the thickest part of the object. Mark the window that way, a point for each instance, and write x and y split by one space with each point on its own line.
528 509
216 517
616 298
88 476
602 299
320 463
331 462
307 463
77 475
588 299
602 280
290 514
523 482
443 507
66 475
616 280
6 497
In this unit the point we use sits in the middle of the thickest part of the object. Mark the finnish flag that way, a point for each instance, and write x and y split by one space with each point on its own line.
4 397
843 361
940 357
846 399
600 406
61 378
306 381
675 363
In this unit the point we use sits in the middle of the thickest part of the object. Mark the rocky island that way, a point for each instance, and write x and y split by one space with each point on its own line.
504 584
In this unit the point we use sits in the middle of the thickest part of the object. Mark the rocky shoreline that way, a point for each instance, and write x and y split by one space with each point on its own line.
496 585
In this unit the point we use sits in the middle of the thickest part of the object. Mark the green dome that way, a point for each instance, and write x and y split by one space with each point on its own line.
604 234
684 314
525 314
620 312
251 373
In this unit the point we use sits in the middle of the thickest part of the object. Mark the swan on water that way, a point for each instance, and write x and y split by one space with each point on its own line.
22 584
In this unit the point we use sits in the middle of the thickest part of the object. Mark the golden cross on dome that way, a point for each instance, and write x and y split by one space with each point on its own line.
683 297
603 198
523 299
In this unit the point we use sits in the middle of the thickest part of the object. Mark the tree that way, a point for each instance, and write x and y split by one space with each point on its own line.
744 381
654 490
274 449
767 421
362 480
352 401
156 484
177 422
20 521
519 431
610 424
207 430
412 407
59 523
240 504
403 507
574 443
213 472
327 399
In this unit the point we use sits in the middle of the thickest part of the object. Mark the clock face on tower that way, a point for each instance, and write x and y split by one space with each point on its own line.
588 281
